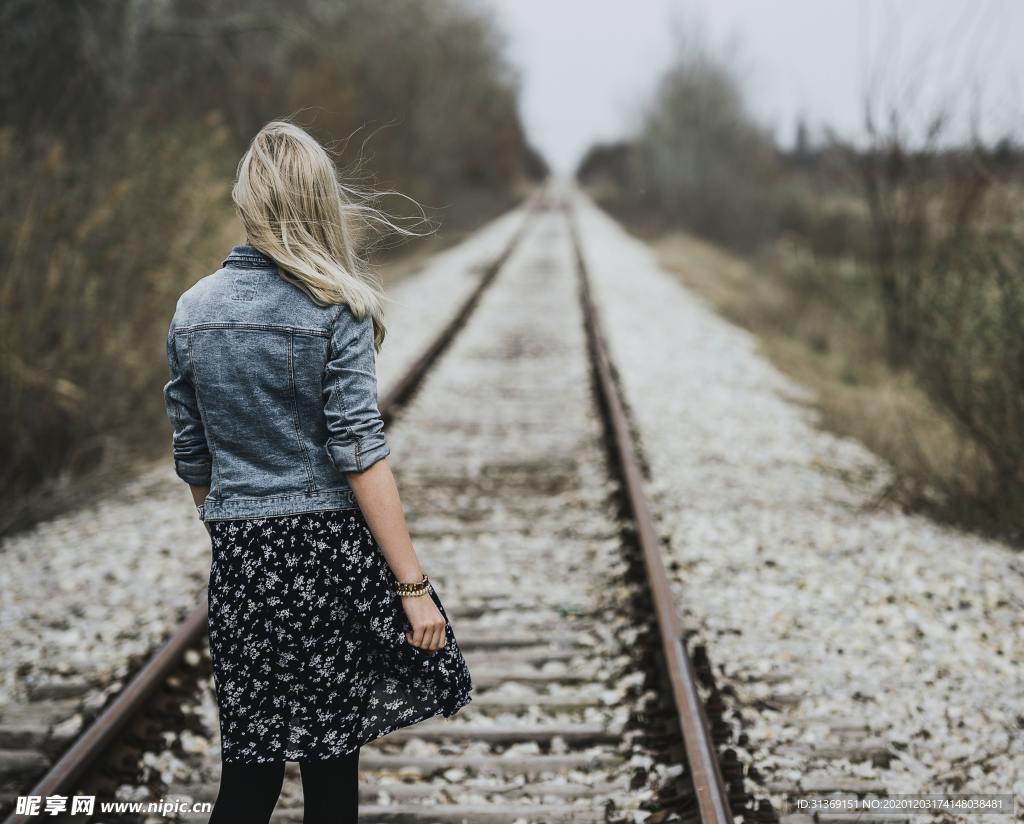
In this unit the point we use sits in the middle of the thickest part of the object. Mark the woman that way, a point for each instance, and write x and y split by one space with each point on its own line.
324 631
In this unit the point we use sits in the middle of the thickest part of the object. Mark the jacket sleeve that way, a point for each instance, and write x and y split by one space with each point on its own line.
192 461
354 426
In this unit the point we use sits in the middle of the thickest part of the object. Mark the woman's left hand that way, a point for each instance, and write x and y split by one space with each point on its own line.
427 623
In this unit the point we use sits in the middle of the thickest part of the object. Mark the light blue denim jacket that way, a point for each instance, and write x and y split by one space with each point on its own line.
272 397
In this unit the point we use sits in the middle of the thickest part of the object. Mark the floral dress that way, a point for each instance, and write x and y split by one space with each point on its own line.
307 640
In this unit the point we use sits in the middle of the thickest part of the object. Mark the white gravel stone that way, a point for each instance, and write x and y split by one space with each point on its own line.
808 593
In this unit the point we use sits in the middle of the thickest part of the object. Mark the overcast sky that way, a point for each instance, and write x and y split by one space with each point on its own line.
587 66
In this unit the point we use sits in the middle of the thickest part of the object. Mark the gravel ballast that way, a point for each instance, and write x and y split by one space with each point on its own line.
861 643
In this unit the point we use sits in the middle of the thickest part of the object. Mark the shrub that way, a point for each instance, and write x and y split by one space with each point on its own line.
969 358
120 124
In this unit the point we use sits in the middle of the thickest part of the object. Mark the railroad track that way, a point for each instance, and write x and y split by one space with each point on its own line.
519 471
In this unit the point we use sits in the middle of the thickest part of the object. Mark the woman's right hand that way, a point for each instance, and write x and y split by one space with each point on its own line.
428 625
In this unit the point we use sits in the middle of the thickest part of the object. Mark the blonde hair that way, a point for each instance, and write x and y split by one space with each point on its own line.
296 210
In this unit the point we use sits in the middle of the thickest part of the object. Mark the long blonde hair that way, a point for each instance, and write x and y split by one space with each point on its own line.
296 210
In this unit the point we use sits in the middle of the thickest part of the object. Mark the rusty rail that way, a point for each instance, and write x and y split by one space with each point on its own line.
92 743
129 702
709 786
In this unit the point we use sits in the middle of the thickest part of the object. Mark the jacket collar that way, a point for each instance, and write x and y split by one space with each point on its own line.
247 257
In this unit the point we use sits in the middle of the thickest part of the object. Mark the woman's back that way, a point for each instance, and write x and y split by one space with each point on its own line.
273 396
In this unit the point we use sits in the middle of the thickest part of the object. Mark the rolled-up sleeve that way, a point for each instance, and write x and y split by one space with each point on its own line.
355 430
192 461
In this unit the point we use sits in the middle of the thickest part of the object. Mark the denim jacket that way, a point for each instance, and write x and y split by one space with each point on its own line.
273 398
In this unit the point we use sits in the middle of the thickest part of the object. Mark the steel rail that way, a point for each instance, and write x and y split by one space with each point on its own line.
706 775
102 732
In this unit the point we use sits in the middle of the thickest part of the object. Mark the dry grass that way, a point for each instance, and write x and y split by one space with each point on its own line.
98 250
889 279
117 194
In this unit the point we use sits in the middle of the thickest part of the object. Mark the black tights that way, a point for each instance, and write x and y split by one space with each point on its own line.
249 792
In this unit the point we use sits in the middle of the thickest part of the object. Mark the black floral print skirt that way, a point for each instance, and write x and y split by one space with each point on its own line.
307 640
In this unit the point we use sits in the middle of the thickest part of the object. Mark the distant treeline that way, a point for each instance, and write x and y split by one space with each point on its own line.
120 126
919 242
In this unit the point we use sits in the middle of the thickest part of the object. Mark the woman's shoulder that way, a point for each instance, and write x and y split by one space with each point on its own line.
197 293
349 325
266 297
